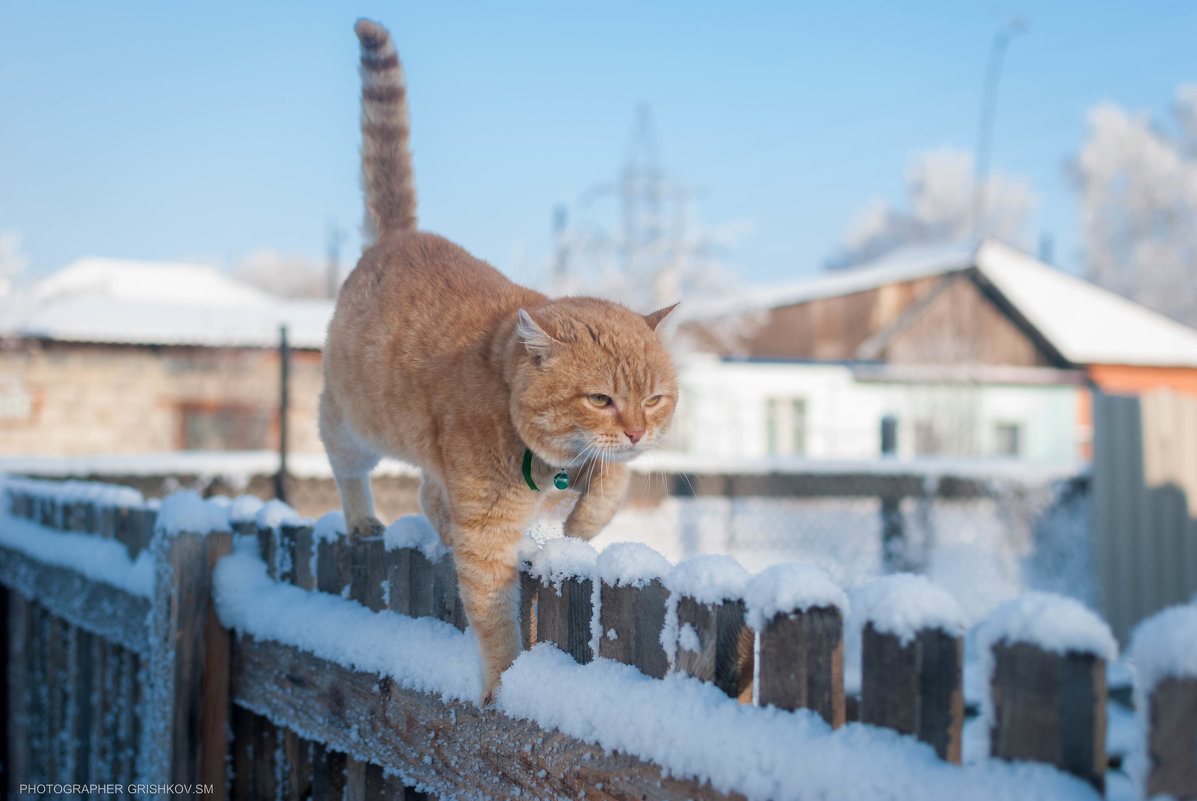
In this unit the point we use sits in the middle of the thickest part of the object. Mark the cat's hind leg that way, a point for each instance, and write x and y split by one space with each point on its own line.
351 460
434 502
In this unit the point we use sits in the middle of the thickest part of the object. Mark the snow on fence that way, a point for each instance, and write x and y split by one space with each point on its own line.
245 648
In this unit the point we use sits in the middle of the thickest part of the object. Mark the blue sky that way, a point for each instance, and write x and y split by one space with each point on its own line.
189 131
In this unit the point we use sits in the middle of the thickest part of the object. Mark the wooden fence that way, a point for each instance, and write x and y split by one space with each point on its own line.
109 685
1144 504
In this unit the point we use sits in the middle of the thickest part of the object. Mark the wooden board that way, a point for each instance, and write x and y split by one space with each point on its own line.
456 750
101 609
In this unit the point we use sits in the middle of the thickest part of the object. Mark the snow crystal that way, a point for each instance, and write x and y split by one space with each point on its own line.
421 653
903 604
691 729
187 511
708 579
330 527
414 531
564 558
630 564
782 589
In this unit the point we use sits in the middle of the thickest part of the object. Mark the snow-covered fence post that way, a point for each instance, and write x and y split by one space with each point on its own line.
368 572
332 554
136 529
217 656
172 744
268 548
1164 653
632 601
529 598
705 631
295 537
798 613
412 547
446 599
912 660
564 610
1046 660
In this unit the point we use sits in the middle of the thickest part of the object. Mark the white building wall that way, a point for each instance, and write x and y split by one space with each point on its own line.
723 412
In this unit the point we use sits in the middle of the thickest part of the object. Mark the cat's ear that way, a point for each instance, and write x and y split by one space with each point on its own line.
538 343
656 317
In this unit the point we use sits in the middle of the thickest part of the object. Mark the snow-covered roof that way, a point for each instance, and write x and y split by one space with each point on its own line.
159 303
1084 322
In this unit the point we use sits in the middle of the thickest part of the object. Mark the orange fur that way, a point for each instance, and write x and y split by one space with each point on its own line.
436 358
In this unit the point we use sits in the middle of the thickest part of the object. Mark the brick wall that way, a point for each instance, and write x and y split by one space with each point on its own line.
78 399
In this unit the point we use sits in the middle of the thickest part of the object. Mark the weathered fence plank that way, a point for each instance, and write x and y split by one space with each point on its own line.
19 690
709 643
633 603
332 565
915 687
802 662
635 616
563 616
1050 707
443 746
529 594
1172 739
214 734
106 611
446 600
409 574
368 572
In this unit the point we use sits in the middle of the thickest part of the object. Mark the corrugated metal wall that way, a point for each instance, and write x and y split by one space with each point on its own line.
1144 504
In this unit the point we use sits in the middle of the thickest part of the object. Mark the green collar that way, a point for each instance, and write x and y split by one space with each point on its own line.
560 481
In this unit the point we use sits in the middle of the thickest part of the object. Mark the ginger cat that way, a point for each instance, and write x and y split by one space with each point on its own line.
436 358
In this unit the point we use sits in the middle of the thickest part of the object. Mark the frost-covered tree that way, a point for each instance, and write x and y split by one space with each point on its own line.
939 207
283 275
1136 186
12 261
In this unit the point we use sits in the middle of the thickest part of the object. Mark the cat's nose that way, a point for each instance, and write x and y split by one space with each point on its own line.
635 435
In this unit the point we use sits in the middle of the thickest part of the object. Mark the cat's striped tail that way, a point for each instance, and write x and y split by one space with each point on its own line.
387 177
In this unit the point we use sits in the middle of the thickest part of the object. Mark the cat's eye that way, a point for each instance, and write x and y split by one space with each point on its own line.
653 401
601 401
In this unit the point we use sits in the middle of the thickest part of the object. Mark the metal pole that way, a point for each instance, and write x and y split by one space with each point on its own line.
284 360
988 111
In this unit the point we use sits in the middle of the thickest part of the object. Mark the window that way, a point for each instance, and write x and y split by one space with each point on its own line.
785 426
927 441
1007 439
216 427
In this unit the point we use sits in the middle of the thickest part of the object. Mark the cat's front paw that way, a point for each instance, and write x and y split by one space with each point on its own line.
363 528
